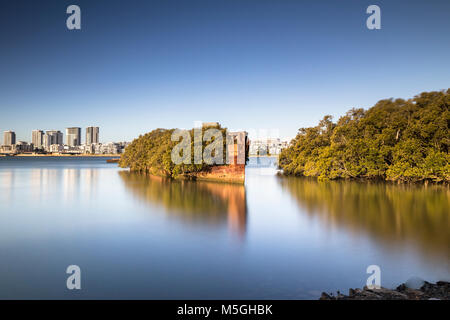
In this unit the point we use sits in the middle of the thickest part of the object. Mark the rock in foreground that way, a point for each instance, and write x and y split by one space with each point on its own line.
428 291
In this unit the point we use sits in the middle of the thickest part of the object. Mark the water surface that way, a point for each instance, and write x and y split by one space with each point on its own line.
140 237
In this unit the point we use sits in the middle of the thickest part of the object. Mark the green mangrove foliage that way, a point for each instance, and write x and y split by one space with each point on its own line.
152 153
397 140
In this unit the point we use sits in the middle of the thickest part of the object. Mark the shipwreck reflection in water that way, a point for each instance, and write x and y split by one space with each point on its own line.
192 201
393 215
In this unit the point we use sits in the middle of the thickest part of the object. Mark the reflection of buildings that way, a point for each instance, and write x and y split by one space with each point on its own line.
36 182
193 201
7 184
90 179
55 185
71 183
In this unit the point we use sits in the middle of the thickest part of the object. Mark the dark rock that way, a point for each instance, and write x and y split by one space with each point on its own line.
428 291
326 296
414 283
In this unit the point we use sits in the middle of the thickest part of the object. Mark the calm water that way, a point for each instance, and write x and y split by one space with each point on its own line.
141 237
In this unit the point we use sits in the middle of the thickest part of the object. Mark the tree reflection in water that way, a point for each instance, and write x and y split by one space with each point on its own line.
192 201
394 215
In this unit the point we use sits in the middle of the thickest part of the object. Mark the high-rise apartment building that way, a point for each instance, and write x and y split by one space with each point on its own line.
73 136
9 138
37 138
92 134
52 137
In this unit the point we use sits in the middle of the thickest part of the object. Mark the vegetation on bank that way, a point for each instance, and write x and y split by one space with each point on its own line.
396 140
151 153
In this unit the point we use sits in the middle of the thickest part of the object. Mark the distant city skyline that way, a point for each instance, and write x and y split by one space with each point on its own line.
72 137
273 65
55 142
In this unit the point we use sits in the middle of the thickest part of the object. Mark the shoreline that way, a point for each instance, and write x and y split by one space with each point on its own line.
92 155
406 291
370 180
261 156
232 174
23 155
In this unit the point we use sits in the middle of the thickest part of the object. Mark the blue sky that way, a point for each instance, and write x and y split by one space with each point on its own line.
250 64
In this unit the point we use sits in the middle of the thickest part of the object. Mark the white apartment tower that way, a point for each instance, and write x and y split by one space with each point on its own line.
73 136
52 137
92 135
37 138
9 138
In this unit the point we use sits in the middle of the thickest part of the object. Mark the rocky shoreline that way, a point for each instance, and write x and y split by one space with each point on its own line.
426 291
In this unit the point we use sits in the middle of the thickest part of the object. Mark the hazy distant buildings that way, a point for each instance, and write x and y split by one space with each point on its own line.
52 141
47 141
52 137
92 134
37 138
9 138
269 146
19 147
210 124
22 147
109 148
73 136
56 148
